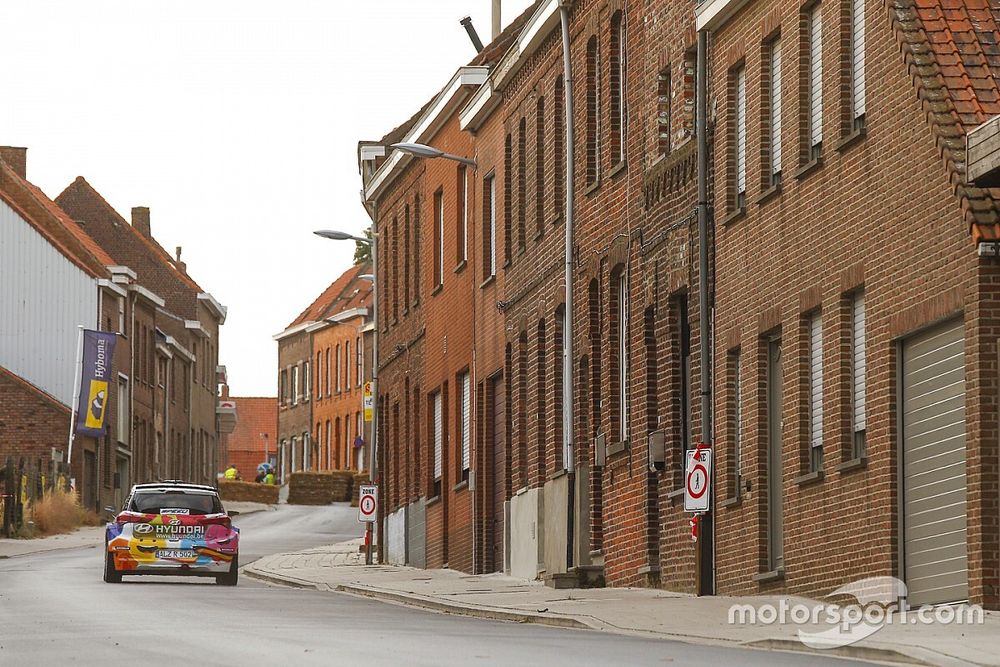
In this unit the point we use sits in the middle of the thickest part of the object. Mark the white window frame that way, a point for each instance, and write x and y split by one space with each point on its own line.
466 399
295 384
858 373
465 213
306 381
816 391
329 391
737 423
438 434
741 136
305 451
340 369
858 93
359 361
122 410
775 111
347 364
492 189
329 449
439 225
815 80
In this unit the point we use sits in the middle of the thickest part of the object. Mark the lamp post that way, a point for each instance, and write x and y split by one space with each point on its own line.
373 242
422 150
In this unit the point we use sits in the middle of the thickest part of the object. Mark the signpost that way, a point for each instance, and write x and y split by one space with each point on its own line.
697 479
368 514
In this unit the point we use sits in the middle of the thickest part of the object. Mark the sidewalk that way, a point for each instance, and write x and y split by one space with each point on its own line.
89 536
635 611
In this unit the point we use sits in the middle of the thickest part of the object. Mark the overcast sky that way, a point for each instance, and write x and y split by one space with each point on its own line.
235 121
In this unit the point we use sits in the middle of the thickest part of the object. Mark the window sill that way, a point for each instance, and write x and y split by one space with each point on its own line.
593 187
539 234
814 477
675 494
774 575
521 491
464 484
617 169
617 447
506 263
768 194
735 216
489 281
459 267
432 501
557 220
851 139
808 168
557 474
859 463
416 302
437 290
733 502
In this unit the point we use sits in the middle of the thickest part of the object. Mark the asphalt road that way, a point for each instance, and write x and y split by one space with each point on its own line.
56 610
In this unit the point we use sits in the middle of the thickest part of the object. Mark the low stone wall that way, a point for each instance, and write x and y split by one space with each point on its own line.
248 492
320 488
359 479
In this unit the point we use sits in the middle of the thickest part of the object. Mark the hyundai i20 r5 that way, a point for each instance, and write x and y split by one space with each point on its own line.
172 528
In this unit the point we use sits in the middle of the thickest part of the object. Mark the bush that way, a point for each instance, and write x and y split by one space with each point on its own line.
59 511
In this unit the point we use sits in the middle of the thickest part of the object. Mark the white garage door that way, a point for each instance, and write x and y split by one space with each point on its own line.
935 556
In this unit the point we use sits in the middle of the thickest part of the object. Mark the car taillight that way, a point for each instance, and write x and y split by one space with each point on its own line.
133 517
217 520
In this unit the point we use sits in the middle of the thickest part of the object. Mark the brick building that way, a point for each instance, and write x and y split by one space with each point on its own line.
252 441
861 359
320 378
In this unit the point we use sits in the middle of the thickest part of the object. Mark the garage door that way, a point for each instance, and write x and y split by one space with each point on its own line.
935 558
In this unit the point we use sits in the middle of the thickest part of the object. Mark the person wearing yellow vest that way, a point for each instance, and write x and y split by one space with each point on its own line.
232 473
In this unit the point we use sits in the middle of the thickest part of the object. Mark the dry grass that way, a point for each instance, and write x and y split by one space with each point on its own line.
60 512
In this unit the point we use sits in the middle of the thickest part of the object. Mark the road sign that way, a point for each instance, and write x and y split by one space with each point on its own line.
369 402
697 479
367 503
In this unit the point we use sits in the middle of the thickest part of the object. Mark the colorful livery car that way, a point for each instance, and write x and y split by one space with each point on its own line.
172 528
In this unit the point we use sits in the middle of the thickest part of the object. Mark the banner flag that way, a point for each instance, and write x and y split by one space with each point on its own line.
95 380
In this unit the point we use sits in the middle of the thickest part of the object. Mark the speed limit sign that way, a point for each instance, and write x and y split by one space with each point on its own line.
697 478
367 503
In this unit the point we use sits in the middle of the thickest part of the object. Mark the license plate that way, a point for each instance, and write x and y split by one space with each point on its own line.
175 553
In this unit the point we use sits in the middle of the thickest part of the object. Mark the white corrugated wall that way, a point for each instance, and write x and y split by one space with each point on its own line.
43 298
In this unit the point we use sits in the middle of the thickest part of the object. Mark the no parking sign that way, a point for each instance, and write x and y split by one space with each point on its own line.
697 478
367 503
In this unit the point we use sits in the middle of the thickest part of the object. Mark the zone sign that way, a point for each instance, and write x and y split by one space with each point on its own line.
367 503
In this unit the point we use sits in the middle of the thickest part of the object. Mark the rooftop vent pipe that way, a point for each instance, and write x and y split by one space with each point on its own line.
473 35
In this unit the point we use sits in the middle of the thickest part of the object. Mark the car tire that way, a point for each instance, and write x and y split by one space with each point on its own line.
111 575
232 577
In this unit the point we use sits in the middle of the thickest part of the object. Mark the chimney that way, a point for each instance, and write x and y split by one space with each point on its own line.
496 20
181 266
140 220
16 158
225 392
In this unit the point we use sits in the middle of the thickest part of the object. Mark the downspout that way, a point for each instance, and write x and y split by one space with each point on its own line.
567 370
131 380
704 295
372 457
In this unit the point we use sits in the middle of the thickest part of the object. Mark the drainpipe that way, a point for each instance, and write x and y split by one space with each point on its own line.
705 547
567 379
372 449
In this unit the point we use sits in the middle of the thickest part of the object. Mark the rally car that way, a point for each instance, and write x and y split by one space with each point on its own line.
172 528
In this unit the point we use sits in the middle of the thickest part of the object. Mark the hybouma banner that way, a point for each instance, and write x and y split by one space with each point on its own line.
95 379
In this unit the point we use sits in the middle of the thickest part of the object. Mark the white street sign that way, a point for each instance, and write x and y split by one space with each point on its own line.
367 503
697 479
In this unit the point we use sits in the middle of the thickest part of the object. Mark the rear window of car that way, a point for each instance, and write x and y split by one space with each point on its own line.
158 502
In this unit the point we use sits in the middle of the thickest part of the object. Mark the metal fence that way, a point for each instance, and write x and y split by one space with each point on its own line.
22 482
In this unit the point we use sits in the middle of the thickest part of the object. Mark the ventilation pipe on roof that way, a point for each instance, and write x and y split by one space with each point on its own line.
496 20
473 35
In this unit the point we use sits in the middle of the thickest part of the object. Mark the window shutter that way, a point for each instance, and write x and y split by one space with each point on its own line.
493 227
858 365
816 380
466 391
741 131
438 435
776 106
858 57
816 77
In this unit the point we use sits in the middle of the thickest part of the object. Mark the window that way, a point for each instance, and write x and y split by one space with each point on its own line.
306 384
464 403
559 141
438 440
416 249
121 409
295 384
620 333
395 270
593 104
557 382
858 63
305 451
339 370
406 258
329 460
319 375
814 21
462 220
347 366
327 373
540 166
507 208
858 367
542 399
663 111
522 197
736 420
738 136
815 392
489 227
616 85
438 238
121 315
773 174
682 366
359 361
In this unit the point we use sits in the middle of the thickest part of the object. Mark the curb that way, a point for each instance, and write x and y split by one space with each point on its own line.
853 651
281 580
490 613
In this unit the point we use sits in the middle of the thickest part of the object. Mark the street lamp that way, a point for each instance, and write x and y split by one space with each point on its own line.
422 150
373 242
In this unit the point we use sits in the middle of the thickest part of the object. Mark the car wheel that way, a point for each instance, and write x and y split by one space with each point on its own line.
111 575
232 577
